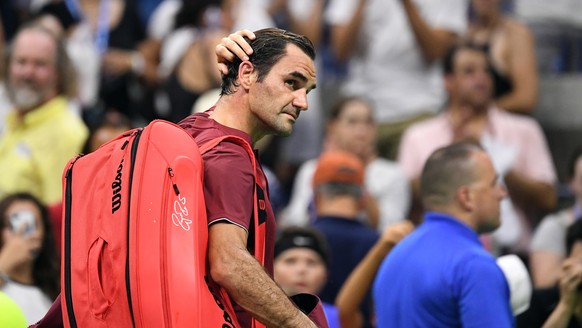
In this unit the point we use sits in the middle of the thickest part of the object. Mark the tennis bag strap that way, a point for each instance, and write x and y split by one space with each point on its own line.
260 229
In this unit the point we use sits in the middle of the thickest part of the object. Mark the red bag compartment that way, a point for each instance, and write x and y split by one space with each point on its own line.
170 237
135 235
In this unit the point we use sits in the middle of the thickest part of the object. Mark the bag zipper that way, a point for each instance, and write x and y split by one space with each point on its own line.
68 292
127 272
164 228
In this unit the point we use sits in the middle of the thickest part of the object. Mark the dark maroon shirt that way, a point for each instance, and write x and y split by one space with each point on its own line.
228 186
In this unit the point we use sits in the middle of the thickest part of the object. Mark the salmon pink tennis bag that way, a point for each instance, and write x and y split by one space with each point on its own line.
135 234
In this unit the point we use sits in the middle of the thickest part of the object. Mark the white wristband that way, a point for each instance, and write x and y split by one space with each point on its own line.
137 62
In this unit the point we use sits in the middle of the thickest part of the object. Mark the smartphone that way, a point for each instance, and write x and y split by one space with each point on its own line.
24 219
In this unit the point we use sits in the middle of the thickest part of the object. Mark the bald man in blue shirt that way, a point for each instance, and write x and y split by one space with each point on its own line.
440 275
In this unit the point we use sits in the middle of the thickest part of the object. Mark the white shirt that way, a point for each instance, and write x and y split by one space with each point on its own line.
384 180
161 22
252 15
31 300
387 65
174 47
555 11
87 62
5 106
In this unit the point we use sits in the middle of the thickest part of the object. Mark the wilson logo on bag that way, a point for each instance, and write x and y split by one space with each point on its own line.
116 187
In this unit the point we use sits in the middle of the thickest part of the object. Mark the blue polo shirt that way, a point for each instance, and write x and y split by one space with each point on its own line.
440 276
349 241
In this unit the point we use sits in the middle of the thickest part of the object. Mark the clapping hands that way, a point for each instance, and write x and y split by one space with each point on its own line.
570 280
502 154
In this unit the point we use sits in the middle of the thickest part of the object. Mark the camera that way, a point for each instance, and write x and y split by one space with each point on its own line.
24 219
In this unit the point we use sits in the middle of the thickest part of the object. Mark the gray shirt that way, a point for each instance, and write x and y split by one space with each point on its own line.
550 236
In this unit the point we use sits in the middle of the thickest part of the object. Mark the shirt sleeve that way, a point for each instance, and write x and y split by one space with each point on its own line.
450 15
300 9
296 213
484 299
539 164
161 22
549 236
339 12
392 192
408 154
228 185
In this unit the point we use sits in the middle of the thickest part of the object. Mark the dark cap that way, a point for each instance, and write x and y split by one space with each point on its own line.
300 237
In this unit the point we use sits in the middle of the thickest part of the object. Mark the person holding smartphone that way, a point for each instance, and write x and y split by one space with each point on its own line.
29 265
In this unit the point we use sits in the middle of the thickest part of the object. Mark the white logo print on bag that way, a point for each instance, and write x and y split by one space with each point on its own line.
179 217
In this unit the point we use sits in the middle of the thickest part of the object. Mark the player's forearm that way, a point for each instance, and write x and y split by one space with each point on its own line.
433 43
518 101
251 287
560 317
310 26
344 37
359 281
522 69
529 191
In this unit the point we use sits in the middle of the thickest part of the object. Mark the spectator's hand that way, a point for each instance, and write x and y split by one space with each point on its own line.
570 279
233 46
465 126
117 62
371 208
502 155
18 249
396 232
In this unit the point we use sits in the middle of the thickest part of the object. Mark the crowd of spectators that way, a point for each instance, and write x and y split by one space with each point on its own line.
397 80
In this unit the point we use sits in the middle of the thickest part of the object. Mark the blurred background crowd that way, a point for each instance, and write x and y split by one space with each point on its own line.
397 79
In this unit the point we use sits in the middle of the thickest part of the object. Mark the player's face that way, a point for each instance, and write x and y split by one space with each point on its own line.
279 98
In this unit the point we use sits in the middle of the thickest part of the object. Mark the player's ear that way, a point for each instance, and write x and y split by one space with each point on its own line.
246 74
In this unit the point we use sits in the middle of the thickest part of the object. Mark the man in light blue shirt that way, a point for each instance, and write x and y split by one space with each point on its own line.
440 275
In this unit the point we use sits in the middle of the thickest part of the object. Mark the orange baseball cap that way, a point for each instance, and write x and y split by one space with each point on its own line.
339 166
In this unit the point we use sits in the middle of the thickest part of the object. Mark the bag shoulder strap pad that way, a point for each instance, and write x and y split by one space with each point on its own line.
259 241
